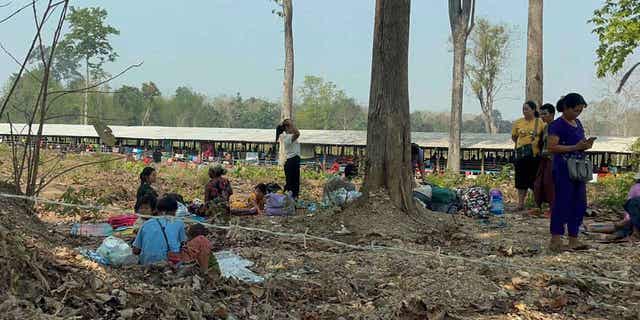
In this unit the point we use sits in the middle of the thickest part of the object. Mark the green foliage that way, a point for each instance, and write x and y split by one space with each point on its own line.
613 190
635 159
324 106
617 25
448 179
88 36
488 53
73 196
453 180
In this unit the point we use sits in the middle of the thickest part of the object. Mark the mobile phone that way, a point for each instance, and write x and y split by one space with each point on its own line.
592 138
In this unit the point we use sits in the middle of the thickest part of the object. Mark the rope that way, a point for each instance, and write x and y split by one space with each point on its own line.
375 248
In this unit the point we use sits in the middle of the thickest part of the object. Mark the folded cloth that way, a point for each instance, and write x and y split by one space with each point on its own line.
91 230
125 220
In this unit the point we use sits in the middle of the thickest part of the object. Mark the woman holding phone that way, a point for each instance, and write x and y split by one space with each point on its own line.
567 140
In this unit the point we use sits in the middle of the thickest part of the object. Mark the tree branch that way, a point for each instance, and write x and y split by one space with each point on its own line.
34 77
626 77
42 186
65 92
18 11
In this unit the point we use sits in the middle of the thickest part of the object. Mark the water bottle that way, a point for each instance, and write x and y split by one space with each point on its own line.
497 205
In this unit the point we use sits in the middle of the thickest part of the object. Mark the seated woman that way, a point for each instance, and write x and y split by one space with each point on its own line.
148 177
254 204
629 226
161 237
217 192
198 248
339 182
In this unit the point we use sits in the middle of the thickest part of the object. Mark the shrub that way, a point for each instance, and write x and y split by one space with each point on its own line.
612 190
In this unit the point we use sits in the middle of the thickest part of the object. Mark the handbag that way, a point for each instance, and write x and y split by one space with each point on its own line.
580 170
526 151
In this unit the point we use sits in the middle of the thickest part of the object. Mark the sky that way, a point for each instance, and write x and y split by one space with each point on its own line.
226 46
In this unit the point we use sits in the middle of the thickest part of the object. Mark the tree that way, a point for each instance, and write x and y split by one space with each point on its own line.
388 159
488 52
533 83
149 92
617 25
88 39
461 19
130 101
285 11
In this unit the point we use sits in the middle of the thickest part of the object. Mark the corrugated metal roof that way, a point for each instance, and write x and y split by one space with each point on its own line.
316 137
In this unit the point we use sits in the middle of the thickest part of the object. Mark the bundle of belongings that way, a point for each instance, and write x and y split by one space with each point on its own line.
278 203
436 198
475 202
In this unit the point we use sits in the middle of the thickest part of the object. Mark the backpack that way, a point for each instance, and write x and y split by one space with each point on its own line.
475 202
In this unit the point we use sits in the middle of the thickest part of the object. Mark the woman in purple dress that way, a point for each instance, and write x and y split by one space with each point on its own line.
567 139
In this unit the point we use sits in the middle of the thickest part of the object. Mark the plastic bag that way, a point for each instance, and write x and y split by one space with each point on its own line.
234 266
116 251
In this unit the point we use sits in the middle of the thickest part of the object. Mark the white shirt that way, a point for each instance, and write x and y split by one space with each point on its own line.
291 148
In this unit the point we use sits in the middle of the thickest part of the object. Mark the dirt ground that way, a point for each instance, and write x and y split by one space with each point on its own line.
420 266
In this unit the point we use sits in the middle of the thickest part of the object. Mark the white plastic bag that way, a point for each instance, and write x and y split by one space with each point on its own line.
234 266
116 251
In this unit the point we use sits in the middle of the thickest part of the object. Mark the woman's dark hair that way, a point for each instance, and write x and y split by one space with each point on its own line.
217 171
548 107
167 205
146 172
273 187
262 187
279 131
150 200
571 101
415 148
533 106
174 196
197 230
350 171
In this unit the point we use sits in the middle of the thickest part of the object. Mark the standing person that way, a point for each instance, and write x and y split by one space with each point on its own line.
148 177
157 155
417 159
526 134
543 187
567 140
289 134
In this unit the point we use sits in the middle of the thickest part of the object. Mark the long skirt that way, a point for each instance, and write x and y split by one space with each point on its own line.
543 189
526 170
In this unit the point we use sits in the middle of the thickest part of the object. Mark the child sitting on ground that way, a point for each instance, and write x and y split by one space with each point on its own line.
217 192
147 207
254 204
198 249
160 237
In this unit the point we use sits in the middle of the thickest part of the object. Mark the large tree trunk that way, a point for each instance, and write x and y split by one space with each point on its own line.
461 19
534 53
389 130
457 91
489 123
85 109
147 114
287 95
